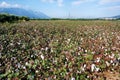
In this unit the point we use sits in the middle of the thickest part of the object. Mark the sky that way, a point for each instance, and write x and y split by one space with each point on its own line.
68 8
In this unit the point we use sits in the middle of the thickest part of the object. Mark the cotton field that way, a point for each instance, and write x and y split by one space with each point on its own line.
60 50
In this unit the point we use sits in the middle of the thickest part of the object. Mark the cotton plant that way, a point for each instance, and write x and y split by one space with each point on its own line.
59 49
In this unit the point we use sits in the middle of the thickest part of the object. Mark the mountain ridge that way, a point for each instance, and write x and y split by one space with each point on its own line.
117 16
24 12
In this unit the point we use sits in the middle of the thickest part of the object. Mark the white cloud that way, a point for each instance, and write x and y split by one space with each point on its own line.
77 2
51 1
4 4
115 8
59 2
7 5
108 1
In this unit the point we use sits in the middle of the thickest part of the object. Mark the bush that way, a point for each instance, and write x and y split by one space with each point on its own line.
12 18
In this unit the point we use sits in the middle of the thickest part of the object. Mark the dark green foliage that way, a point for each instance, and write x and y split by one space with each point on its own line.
11 18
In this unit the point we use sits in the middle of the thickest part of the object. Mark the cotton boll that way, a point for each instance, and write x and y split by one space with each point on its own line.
85 65
72 78
24 67
111 61
107 63
36 71
93 67
82 68
98 59
26 63
46 49
97 69
69 40
31 56
11 44
42 57
86 51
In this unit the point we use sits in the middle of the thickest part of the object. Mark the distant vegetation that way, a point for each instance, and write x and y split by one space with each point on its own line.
12 18
80 19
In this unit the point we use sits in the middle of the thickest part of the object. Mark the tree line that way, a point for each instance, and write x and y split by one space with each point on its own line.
12 18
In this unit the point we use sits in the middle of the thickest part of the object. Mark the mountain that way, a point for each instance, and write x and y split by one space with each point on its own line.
118 16
24 12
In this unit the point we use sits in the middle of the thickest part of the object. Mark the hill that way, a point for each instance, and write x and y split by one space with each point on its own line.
117 17
24 12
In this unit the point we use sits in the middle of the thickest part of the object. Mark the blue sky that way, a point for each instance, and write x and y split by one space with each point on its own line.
68 8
